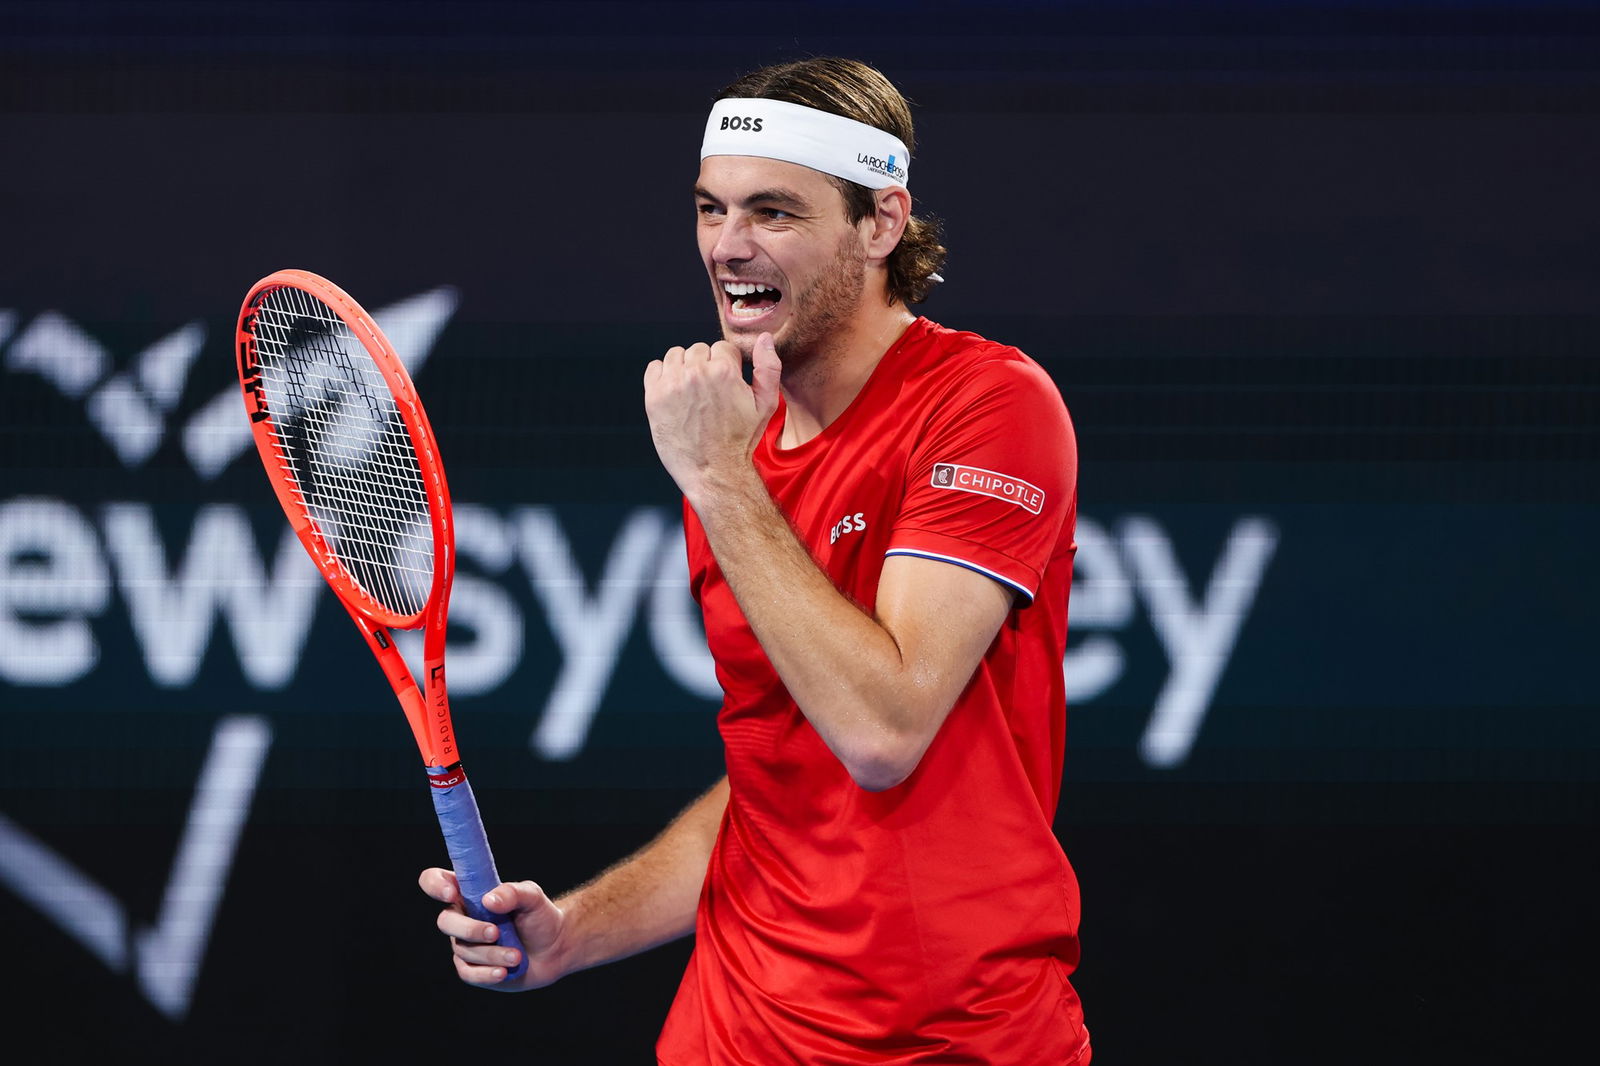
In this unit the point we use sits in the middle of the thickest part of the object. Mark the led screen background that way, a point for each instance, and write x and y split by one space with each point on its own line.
1317 284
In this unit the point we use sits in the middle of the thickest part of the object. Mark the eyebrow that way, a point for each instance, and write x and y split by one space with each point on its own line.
777 197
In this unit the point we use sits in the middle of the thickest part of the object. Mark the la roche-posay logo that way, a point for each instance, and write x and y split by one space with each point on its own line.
887 167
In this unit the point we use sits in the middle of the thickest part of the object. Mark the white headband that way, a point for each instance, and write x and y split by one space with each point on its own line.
833 144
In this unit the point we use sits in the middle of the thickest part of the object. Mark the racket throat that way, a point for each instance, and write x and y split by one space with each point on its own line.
430 727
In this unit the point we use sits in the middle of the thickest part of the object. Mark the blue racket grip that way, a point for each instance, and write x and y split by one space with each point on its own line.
468 844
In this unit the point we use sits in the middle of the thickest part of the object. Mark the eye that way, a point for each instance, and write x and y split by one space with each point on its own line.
704 208
772 213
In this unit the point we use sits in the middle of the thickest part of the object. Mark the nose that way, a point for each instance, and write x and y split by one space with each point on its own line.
735 240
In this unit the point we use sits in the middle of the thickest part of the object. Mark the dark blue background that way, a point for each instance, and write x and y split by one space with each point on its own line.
1328 264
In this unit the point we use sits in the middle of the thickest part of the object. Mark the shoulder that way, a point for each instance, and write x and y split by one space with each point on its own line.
968 373
962 357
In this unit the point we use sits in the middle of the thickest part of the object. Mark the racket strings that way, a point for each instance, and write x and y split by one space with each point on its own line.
363 524
357 467
344 448
348 478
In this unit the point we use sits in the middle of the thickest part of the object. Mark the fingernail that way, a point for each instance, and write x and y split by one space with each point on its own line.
510 957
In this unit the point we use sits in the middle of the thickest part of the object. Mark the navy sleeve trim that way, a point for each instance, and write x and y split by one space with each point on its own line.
1021 590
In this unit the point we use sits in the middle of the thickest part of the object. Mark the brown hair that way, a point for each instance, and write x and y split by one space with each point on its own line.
851 88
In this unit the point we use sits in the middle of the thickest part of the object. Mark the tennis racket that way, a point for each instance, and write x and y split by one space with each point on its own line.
352 458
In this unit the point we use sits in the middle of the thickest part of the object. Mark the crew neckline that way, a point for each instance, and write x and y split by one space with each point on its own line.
777 456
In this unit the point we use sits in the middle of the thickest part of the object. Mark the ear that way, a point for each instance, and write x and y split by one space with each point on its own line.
886 226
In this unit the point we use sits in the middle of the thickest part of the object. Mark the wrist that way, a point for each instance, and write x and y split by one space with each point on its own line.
733 486
564 956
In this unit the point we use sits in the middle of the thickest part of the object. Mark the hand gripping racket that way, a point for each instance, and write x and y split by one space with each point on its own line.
351 455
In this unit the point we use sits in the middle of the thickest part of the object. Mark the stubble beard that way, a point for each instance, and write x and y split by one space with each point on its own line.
819 311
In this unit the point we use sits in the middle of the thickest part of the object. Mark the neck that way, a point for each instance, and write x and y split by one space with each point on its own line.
818 390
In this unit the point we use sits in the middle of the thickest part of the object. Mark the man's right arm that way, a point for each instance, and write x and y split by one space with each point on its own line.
645 900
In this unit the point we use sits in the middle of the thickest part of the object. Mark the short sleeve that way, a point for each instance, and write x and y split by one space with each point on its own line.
992 480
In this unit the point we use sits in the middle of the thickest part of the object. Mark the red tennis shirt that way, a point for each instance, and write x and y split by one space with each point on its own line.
936 921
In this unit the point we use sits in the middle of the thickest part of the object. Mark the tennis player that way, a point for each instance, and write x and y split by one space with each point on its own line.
880 536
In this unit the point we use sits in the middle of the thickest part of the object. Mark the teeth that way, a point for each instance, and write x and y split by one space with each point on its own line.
744 288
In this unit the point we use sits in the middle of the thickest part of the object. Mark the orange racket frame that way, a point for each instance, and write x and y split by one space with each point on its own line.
429 719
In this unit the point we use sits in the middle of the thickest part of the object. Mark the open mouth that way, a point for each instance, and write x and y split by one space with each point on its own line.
749 300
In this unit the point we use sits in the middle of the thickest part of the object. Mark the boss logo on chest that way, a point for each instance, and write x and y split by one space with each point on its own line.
850 523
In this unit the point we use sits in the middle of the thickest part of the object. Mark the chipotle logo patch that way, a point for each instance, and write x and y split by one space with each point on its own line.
988 483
